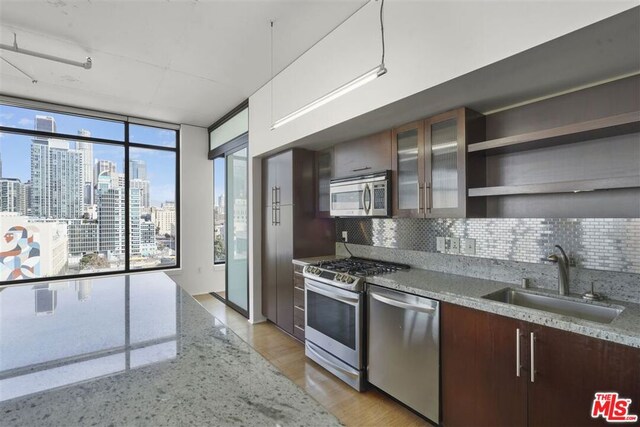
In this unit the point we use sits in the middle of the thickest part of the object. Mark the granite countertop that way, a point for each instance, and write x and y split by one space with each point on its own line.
467 291
316 259
134 350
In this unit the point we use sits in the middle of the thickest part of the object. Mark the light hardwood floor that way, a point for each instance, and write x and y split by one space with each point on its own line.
370 408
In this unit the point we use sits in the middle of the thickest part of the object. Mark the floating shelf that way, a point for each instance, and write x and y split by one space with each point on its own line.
592 129
558 187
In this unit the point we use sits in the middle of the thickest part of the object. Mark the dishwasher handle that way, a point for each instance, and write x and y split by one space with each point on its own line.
401 304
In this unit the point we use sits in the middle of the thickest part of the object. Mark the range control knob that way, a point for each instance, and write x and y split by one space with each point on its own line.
350 280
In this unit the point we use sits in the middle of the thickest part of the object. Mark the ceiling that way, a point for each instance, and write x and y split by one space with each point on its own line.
177 61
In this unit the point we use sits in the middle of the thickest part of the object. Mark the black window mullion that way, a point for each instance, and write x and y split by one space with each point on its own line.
127 216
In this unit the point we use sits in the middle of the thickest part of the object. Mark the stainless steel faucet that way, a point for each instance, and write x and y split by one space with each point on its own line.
563 269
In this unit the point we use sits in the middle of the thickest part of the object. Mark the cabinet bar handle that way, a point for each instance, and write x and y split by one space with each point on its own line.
418 191
518 365
278 194
427 196
361 169
533 357
273 196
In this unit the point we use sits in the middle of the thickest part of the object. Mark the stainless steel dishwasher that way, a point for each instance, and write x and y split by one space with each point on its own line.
404 348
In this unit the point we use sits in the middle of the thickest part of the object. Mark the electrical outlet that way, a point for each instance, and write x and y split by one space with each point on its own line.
469 246
440 244
345 236
454 245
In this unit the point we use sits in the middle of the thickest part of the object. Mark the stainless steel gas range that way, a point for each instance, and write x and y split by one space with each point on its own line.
334 315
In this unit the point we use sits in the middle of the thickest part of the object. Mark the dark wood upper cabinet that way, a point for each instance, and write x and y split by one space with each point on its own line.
431 167
290 229
480 382
407 170
363 155
324 173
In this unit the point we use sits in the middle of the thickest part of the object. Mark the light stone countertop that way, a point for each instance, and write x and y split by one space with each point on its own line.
134 350
468 292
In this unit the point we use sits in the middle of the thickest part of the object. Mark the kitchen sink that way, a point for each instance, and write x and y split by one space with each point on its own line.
564 306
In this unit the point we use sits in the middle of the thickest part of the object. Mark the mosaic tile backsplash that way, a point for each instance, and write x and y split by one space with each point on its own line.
611 244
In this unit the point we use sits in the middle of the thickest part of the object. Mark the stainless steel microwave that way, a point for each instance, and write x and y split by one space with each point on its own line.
361 196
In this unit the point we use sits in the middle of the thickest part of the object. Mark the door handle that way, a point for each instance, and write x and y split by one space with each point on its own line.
277 215
273 196
403 305
278 194
418 192
533 357
518 365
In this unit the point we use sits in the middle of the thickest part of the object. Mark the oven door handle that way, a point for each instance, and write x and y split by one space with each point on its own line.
351 301
400 304
310 348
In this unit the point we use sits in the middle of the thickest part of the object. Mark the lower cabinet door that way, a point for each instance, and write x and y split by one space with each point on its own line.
480 382
570 368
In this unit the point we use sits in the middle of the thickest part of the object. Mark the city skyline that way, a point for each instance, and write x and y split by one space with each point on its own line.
63 201
16 149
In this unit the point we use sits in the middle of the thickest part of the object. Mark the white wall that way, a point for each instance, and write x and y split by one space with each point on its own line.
428 43
197 275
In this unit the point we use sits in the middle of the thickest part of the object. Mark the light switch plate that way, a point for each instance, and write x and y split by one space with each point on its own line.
454 245
345 236
440 244
469 246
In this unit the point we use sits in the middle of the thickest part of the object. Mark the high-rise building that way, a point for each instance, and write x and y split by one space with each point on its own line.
137 169
45 124
135 210
105 166
143 185
12 196
111 220
87 165
148 244
83 237
27 196
165 218
57 178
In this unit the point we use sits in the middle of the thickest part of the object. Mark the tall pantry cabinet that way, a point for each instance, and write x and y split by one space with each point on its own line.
290 229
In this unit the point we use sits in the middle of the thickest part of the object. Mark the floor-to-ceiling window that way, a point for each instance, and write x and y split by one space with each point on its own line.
85 194
229 152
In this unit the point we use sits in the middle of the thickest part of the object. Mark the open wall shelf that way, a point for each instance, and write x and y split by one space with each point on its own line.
558 187
619 124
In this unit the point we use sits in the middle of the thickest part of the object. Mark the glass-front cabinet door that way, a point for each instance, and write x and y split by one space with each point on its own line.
408 170
445 190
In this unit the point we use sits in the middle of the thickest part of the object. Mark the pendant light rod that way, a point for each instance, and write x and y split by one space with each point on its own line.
14 48
33 80
336 93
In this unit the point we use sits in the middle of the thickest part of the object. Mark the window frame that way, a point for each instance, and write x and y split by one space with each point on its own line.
126 120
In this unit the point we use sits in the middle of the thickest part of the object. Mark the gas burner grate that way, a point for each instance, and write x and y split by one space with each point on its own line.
361 266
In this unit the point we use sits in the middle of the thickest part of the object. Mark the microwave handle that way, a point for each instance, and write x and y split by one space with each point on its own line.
366 199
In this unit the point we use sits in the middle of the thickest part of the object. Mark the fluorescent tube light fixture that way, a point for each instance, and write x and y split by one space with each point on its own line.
336 93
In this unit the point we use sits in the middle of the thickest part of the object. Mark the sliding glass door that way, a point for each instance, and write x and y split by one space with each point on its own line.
237 267
231 221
